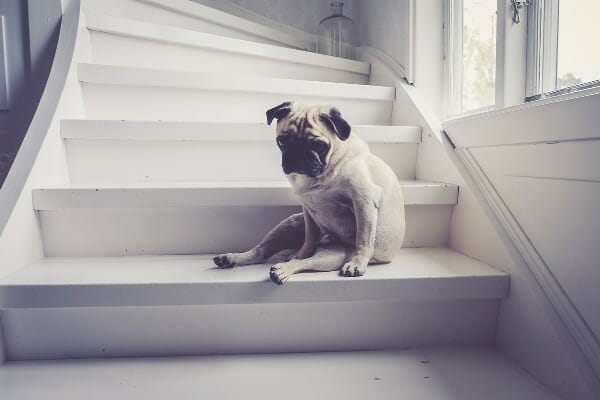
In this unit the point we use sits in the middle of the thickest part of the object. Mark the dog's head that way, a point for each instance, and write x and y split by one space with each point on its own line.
307 135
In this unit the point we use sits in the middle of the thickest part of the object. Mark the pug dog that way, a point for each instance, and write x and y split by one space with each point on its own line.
352 205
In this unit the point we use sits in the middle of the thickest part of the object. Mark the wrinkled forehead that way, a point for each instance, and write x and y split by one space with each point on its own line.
303 120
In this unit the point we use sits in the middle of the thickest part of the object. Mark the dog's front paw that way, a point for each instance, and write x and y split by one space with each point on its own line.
279 274
224 261
352 268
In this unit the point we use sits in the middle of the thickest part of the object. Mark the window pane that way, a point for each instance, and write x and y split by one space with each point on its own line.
479 54
578 42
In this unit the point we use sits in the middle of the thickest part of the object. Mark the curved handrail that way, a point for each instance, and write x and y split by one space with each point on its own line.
36 132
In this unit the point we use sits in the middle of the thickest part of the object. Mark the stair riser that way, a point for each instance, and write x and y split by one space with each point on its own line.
237 329
196 230
103 101
121 50
146 11
164 161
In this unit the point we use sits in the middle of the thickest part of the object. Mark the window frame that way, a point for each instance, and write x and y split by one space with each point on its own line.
542 53
526 56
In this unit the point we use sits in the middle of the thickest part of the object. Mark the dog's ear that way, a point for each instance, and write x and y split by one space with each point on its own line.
279 111
336 123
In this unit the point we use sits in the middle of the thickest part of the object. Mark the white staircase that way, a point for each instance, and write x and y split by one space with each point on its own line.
173 162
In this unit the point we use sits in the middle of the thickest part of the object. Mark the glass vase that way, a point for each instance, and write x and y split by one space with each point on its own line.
337 35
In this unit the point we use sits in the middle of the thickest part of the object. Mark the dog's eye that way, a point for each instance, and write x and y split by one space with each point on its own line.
320 146
281 141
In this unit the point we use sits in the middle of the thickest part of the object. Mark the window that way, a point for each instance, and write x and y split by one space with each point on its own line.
563 49
472 61
505 52
578 42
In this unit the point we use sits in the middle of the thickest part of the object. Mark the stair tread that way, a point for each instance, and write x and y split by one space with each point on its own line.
417 274
213 131
221 193
442 373
137 76
185 37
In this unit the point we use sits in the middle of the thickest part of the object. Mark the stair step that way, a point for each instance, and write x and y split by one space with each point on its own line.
182 305
137 151
427 374
136 43
201 217
118 92
426 274
244 193
191 15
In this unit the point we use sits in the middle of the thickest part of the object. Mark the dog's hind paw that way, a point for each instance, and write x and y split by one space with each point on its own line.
278 274
353 269
224 261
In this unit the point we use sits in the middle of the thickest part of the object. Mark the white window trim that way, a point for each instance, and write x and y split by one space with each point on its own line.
453 67
542 47
526 64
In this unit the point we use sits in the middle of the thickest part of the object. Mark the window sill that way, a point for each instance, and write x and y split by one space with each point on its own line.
494 111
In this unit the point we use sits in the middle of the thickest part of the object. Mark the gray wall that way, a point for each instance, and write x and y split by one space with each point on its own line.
304 15
30 36
16 67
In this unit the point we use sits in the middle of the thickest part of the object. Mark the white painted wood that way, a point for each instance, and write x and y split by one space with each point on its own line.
189 15
427 374
199 160
135 43
549 145
139 151
246 329
114 92
144 147
553 133
433 274
565 117
86 129
268 193
200 218
535 188
196 229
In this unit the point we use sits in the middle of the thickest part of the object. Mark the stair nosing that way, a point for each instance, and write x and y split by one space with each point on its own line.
217 193
429 274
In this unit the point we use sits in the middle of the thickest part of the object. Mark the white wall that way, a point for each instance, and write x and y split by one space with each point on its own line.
382 26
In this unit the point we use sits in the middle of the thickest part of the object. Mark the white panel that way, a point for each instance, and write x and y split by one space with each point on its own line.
553 191
196 230
236 329
180 161
143 103
572 160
